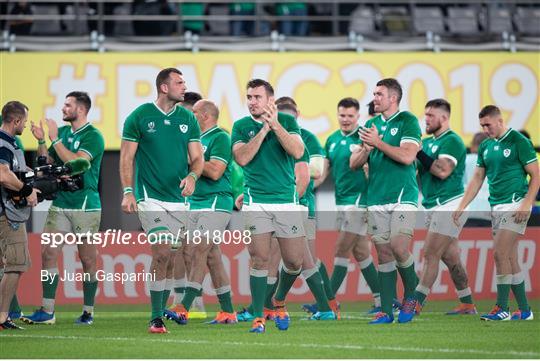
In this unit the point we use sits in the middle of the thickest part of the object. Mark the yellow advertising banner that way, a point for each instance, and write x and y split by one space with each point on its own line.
119 82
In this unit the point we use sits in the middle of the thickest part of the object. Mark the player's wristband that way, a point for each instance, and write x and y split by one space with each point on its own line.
26 190
41 141
425 159
193 175
128 190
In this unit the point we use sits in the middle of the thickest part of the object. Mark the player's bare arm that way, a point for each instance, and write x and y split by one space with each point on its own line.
127 155
359 156
244 152
442 168
195 168
292 143
214 169
522 214
326 168
39 133
472 190
405 153
301 173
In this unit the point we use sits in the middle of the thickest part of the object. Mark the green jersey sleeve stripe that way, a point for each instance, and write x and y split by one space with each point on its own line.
316 156
531 161
219 158
448 156
239 141
293 132
131 139
194 140
87 152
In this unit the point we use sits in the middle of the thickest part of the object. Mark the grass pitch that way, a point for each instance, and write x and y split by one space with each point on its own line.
121 332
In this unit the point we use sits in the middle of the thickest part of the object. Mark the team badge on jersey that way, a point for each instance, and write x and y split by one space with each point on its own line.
393 131
151 127
76 144
434 148
496 147
332 146
251 133
383 128
485 153
204 147
506 152
343 142
167 122
183 128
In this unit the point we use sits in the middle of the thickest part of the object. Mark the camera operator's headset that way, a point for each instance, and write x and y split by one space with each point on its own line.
12 213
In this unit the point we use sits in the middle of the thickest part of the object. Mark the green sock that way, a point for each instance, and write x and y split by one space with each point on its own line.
14 305
409 279
156 299
521 296
372 277
270 290
257 283
225 302
285 283
49 286
315 284
166 294
340 271
419 295
326 281
387 281
189 296
504 283
89 292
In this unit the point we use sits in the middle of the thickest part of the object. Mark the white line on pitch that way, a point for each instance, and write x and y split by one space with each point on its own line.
303 345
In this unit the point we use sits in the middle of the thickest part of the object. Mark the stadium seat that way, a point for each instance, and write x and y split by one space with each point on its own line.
498 20
462 21
426 19
362 21
218 27
527 20
395 20
46 27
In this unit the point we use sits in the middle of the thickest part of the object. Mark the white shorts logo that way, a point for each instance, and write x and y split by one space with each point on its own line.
183 128
506 153
393 131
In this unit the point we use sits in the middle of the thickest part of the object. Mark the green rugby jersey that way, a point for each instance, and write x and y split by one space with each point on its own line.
350 185
162 154
89 140
314 150
504 160
438 191
210 194
391 182
269 177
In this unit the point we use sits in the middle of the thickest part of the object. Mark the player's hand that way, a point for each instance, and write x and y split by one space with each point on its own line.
53 129
188 186
523 213
32 198
367 147
129 204
270 115
37 131
370 136
239 202
457 215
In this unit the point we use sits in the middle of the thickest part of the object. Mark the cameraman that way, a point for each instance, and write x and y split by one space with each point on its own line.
13 239
78 211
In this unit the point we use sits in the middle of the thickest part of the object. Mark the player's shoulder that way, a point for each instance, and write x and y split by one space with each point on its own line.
221 133
333 136
284 117
144 109
516 137
407 117
307 135
242 121
454 138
